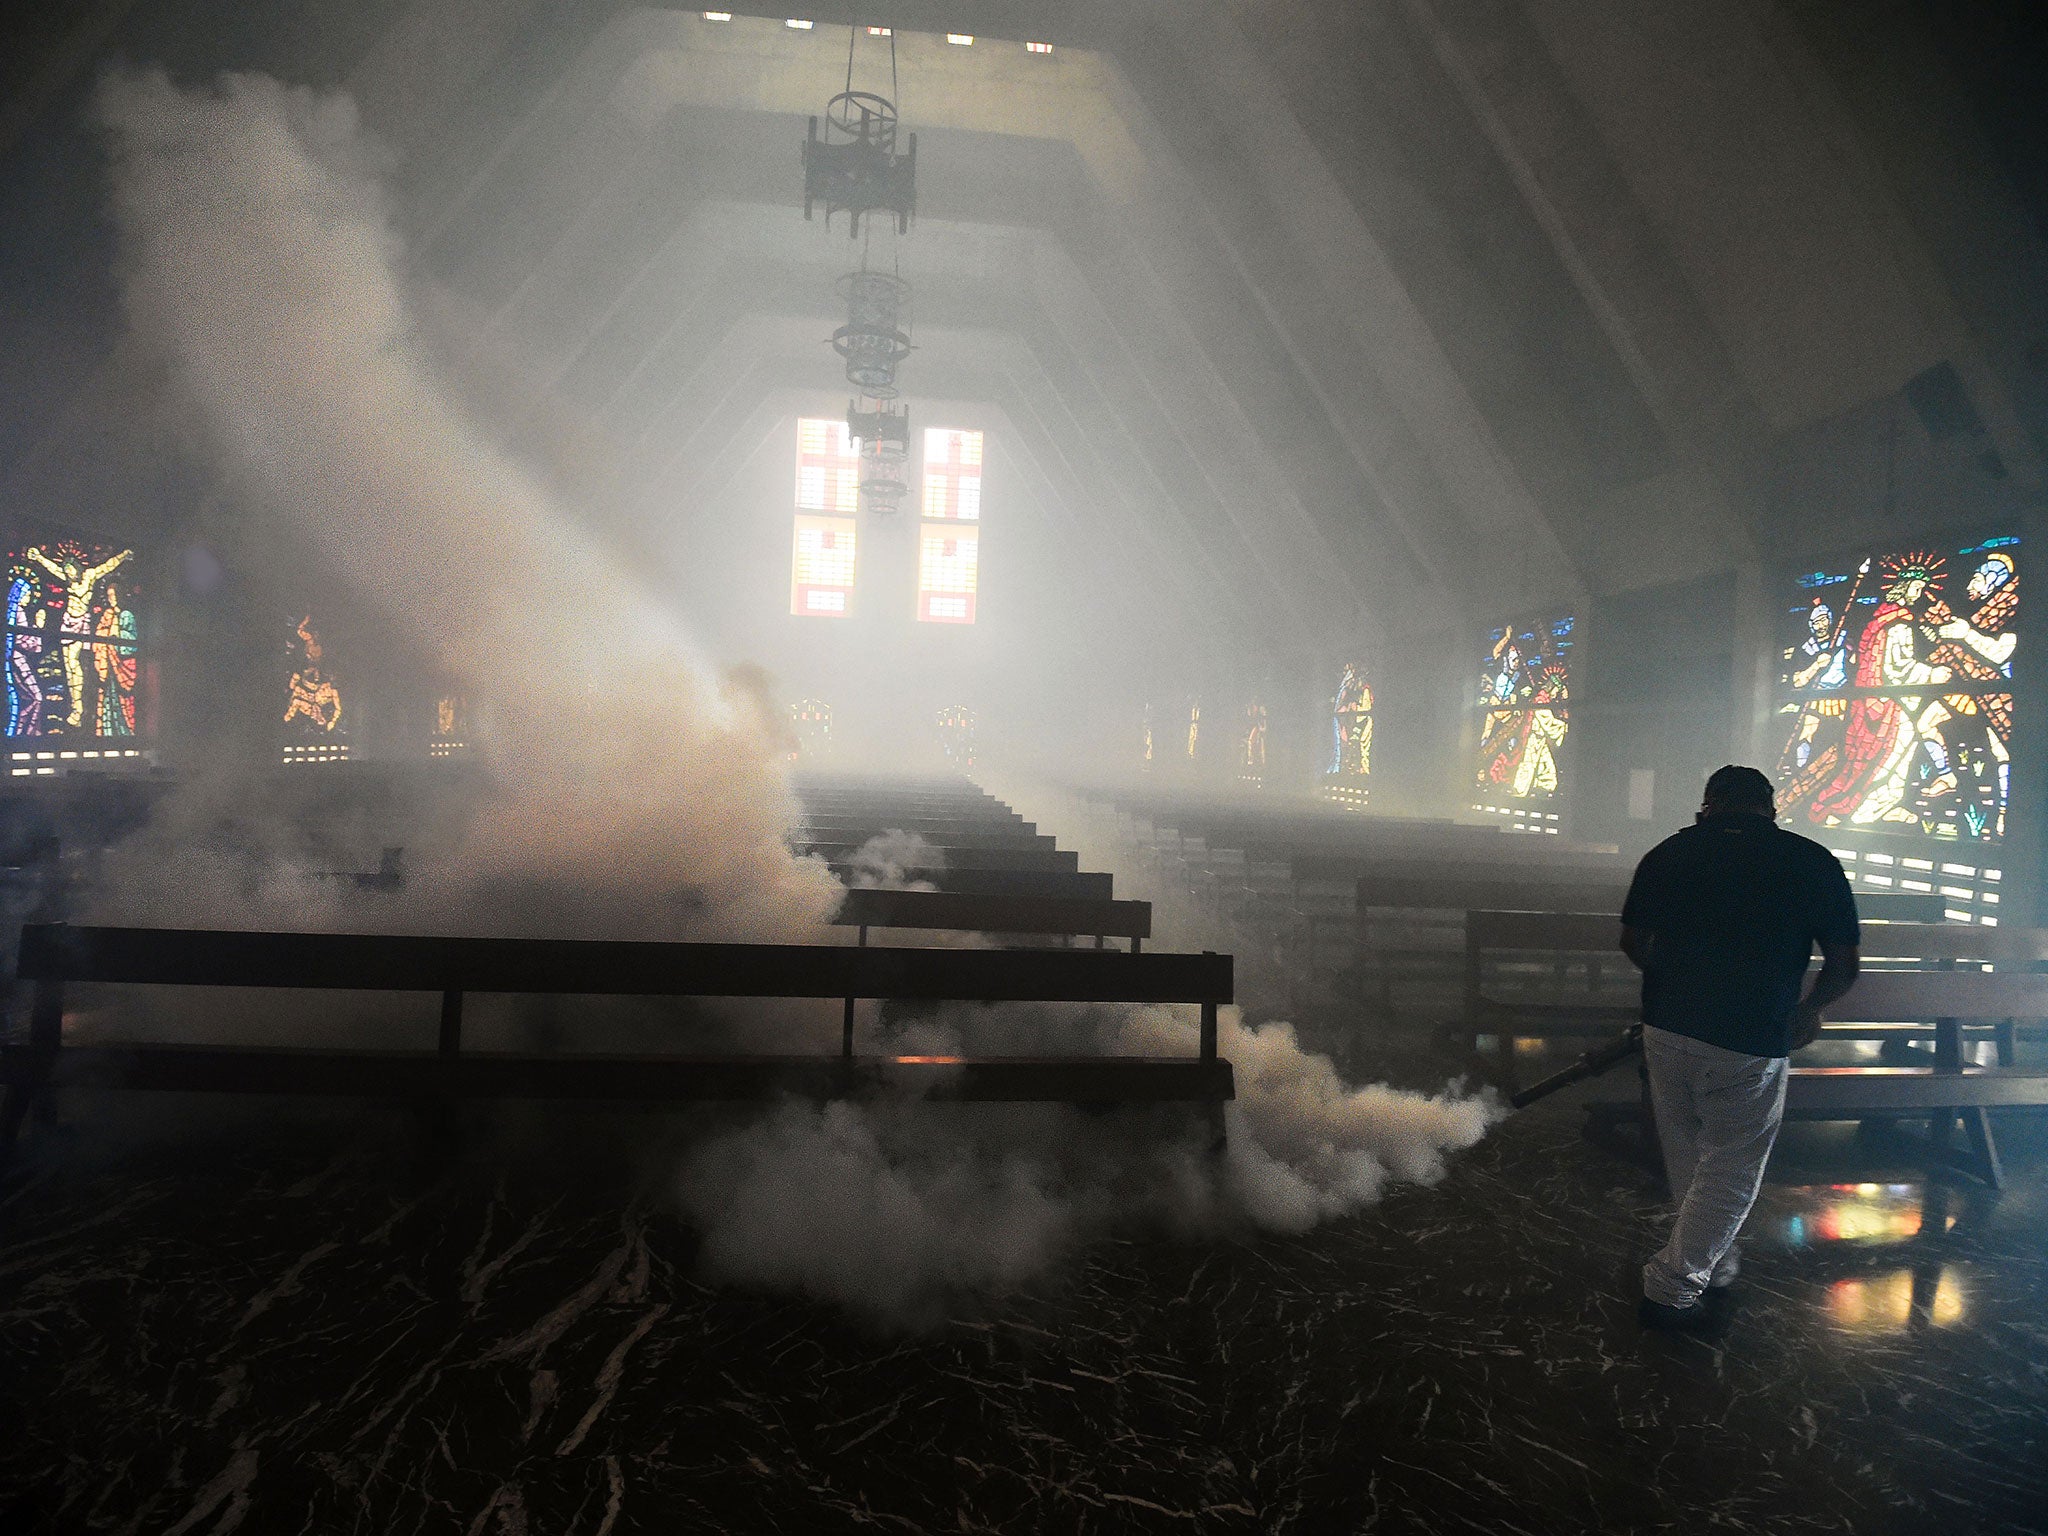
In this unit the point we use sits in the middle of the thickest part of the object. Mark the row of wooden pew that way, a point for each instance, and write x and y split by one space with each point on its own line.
1372 909
1375 903
1502 938
1965 990
1009 896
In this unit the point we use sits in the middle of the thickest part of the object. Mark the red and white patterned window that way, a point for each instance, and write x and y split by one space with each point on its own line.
948 561
821 567
952 474
821 562
827 467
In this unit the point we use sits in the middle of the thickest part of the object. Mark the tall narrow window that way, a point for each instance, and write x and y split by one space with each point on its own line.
952 474
1524 696
827 495
77 683
947 561
827 467
949 540
821 581
316 725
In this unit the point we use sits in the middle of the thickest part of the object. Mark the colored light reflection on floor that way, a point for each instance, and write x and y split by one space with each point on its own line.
1857 1213
1926 1293
1895 1302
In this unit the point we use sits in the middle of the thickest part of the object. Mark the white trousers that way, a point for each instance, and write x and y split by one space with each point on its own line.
1717 1117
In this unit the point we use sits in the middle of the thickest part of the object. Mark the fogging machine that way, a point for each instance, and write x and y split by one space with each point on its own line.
1592 1064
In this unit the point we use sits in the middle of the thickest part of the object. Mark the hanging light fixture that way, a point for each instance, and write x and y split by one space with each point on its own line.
873 341
852 163
883 437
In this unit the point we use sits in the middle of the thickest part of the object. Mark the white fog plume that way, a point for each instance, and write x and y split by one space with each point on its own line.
887 858
634 794
896 1210
635 791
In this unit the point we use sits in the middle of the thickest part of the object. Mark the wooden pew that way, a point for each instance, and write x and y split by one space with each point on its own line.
945 833
851 787
1952 946
965 803
1411 929
1554 943
1557 938
1947 1092
1937 1002
1587 923
1043 860
994 811
54 956
1387 896
885 783
949 911
1081 885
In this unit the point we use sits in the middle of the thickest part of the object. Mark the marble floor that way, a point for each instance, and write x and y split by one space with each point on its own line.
233 1322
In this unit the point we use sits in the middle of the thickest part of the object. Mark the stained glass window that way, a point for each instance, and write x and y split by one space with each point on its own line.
1348 766
827 466
1895 699
1251 743
316 724
948 563
956 735
952 474
1523 698
1351 725
949 556
451 727
1250 769
821 568
821 561
811 722
75 671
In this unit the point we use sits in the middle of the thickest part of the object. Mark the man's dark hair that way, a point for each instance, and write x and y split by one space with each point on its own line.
1736 788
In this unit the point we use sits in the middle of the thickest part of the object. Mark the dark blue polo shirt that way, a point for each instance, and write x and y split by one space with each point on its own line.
1733 906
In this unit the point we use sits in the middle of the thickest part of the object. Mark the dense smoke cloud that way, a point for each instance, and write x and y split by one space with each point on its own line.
634 794
886 859
899 1209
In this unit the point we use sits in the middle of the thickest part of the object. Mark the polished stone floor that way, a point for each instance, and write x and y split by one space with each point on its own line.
221 1320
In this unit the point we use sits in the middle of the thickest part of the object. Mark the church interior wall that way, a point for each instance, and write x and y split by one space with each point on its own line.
1189 439
1655 695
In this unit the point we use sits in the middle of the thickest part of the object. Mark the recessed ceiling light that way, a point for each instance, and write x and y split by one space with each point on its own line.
718 15
960 39
799 26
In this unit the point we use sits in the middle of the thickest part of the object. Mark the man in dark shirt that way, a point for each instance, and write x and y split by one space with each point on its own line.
1722 919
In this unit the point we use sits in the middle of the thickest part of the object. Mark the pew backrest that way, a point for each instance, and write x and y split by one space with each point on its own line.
59 953
1086 885
1046 860
1885 997
947 834
1573 931
950 911
1946 943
